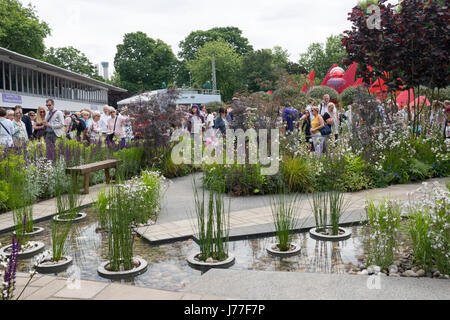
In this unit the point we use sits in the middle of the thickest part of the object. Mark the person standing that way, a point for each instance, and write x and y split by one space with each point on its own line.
446 123
306 128
20 135
209 125
324 104
39 124
332 119
10 115
128 126
67 123
26 120
196 121
221 123
290 115
116 126
54 126
317 123
95 130
104 119
6 130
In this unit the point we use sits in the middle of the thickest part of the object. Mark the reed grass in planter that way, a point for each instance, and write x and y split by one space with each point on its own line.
286 216
212 228
56 260
119 221
328 208
67 205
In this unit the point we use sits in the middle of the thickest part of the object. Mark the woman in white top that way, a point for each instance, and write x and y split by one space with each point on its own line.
20 134
95 129
209 124
333 119
6 130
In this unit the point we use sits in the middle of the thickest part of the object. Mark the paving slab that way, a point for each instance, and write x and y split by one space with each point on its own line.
127 292
86 290
271 285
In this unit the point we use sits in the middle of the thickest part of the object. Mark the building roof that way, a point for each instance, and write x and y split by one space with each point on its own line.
186 96
44 66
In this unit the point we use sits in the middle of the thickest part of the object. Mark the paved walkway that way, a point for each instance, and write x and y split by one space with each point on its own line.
44 287
275 285
177 220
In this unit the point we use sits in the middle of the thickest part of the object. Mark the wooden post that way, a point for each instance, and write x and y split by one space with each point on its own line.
86 183
108 178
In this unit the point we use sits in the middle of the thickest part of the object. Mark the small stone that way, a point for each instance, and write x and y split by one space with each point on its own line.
433 270
436 274
420 273
376 269
209 260
363 272
414 269
394 275
443 276
361 258
370 270
397 263
409 273
393 268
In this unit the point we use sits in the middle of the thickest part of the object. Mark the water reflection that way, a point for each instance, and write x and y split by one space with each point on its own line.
169 270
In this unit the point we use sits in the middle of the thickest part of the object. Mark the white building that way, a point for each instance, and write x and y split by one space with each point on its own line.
29 82
187 97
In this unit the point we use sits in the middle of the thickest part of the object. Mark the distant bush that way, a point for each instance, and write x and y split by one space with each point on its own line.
319 91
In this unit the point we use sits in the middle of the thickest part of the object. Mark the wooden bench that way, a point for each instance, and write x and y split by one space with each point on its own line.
86 169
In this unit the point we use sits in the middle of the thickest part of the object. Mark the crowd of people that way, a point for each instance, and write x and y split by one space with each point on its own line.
320 124
50 123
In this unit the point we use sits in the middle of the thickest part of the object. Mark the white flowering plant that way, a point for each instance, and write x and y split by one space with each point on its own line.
428 210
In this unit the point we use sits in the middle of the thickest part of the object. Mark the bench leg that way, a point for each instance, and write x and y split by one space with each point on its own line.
86 183
108 178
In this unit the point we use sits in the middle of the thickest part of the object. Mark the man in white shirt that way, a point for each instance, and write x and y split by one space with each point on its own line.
104 119
323 107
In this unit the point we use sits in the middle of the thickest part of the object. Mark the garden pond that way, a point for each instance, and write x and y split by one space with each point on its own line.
167 265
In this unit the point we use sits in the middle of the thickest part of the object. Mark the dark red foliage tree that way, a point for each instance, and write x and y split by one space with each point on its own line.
409 50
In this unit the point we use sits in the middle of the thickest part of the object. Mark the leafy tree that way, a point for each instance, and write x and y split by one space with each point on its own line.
20 29
257 68
228 67
408 51
320 57
197 39
71 59
143 63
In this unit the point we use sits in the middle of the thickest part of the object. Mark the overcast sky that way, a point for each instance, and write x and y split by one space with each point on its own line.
96 27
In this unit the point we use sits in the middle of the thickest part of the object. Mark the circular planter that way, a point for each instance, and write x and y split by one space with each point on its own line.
344 234
36 230
141 267
24 254
194 263
48 266
80 216
273 249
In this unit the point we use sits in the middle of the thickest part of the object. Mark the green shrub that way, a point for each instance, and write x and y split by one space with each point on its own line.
353 177
131 161
298 174
214 106
318 92
347 96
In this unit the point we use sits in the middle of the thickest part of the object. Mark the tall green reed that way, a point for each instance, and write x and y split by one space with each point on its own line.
60 232
286 216
212 224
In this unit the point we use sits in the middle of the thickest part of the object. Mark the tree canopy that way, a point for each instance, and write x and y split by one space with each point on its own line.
71 59
320 57
143 63
197 39
21 30
228 67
